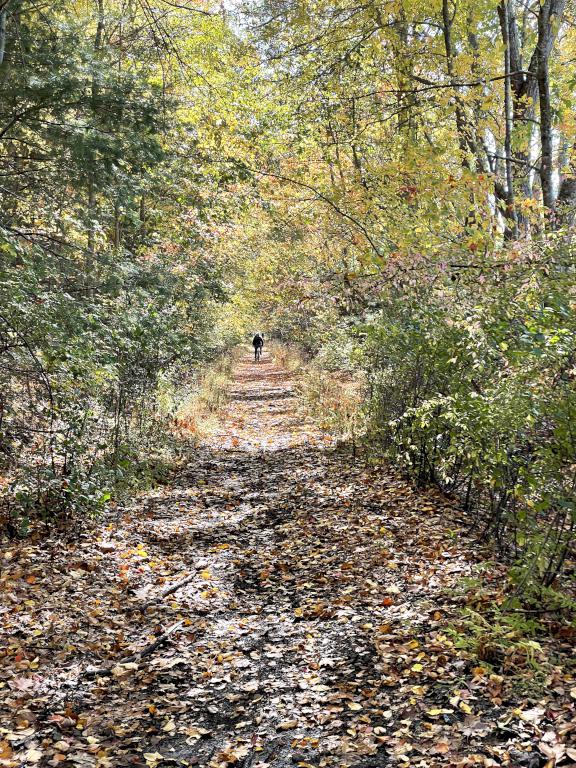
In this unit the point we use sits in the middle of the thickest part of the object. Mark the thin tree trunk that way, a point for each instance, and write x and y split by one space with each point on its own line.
544 46
116 224
91 213
546 163
95 91
527 81
508 121
464 137
3 14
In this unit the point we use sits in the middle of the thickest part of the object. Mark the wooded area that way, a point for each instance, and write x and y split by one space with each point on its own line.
386 189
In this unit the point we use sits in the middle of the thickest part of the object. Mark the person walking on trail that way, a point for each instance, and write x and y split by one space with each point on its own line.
258 343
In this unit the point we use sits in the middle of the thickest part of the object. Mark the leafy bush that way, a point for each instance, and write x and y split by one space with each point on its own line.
105 289
473 388
80 379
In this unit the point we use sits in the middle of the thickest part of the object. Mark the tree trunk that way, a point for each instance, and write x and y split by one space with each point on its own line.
547 160
461 123
95 91
116 224
546 36
91 203
526 82
511 216
3 14
566 202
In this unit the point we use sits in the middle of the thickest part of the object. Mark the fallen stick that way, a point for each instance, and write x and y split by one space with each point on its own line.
173 588
169 590
151 647
146 651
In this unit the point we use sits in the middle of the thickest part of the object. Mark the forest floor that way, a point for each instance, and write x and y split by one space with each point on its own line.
312 623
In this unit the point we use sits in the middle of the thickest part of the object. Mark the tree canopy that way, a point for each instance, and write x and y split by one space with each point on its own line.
390 185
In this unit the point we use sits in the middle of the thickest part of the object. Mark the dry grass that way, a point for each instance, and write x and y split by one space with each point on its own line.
200 408
334 400
287 356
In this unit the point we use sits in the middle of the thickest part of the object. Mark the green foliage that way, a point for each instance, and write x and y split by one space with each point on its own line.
473 388
500 639
105 291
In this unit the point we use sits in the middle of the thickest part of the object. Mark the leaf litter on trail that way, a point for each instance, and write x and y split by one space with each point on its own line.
298 607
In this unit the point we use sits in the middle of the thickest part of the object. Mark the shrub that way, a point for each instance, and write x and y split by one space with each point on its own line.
472 387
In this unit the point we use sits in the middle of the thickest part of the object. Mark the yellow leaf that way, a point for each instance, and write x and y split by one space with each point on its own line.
465 708
417 668
287 725
153 758
354 706
5 750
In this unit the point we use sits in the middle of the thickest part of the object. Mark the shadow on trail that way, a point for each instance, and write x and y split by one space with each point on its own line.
262 396
273 645
296 575
302 588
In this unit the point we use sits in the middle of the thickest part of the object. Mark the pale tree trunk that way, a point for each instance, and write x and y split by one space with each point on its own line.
523 108
91 203
550 11
117 228
3 15
530 85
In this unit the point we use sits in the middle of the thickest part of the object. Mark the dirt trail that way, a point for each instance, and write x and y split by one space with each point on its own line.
313 634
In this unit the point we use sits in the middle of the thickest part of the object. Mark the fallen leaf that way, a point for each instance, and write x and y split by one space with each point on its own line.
287 725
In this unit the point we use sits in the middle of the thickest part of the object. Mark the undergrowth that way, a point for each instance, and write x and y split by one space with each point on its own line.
334 400
290 357
198 405
510 632
332 396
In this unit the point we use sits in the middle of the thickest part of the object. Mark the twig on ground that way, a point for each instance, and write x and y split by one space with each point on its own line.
91 672
171 589
146 651
151 647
